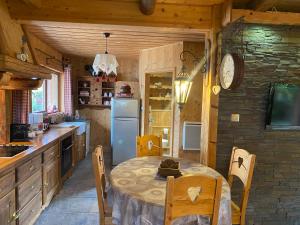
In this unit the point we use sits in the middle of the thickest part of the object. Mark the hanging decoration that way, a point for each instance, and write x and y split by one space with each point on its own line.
105 64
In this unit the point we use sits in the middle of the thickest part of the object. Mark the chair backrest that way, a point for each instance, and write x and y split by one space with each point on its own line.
242 166
98 165
193 195
148 145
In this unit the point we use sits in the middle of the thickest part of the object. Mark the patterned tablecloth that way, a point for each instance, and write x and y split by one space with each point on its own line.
138 197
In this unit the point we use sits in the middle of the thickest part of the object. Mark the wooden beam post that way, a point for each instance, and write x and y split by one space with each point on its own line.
147 6
210 102
5 116
272 18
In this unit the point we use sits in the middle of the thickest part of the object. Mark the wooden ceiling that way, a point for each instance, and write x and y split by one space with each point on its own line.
266 5
125 41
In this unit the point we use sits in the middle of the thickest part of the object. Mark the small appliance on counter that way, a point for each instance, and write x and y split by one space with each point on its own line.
19 132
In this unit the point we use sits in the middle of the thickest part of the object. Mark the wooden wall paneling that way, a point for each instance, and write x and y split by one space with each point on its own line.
192 109
100 118
208 154
155 60
108 12
128 69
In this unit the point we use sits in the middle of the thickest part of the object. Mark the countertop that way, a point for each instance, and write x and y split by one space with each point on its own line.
39 144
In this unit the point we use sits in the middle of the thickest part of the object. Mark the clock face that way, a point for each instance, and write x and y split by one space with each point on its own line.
227 71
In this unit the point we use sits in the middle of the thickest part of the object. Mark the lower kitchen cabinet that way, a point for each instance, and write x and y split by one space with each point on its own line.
8 209
50 180
29 214
80 147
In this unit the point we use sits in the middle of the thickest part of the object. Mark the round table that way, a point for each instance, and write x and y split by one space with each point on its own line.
138 195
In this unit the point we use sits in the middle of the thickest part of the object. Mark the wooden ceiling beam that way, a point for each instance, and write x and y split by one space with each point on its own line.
272 18
113 12
262 5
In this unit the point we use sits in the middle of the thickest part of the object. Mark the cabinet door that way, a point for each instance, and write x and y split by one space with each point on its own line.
81 147
50 180
8 209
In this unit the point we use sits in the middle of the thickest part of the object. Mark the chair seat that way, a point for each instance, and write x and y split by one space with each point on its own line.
236 213
108 221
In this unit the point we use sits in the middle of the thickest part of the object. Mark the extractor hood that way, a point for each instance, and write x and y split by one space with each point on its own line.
19 75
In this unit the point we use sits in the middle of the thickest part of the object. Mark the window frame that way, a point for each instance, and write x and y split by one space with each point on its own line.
45 110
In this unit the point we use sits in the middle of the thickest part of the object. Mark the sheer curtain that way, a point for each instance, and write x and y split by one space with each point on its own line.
20 106
68 103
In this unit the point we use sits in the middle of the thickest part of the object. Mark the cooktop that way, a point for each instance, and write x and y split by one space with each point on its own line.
10 151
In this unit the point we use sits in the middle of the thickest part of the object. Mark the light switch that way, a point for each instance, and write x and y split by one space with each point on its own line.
235 117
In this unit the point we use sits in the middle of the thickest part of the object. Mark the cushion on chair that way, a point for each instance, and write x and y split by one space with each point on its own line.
236 213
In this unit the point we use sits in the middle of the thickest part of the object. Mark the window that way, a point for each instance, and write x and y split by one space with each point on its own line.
38 99
46 97
52 94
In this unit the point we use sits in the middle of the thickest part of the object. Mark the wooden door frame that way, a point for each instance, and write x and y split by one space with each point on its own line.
146 100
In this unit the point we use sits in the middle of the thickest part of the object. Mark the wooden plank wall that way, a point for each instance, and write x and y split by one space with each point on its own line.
166 58
100 117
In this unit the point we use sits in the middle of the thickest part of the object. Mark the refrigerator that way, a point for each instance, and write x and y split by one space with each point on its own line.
125 126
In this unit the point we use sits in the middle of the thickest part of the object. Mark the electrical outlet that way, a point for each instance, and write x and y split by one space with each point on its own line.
235 117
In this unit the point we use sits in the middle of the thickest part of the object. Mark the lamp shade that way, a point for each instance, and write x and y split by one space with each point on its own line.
182 90
106 63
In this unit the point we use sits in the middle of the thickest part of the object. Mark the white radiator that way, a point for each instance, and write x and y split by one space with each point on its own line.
191 135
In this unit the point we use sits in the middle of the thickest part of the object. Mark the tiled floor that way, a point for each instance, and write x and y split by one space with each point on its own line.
76 203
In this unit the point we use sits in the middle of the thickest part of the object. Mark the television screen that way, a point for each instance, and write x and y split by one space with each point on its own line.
284 105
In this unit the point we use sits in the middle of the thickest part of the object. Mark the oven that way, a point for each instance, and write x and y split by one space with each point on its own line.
66 155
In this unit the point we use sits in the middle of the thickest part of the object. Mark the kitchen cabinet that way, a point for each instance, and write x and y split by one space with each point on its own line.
29 214
29 188
8 209
80 146
50 173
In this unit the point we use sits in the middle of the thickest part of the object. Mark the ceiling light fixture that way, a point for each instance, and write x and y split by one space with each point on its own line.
105 63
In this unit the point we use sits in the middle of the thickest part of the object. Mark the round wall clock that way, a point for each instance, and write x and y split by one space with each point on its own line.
231 71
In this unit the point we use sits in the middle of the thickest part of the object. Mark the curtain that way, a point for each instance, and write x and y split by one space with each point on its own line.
68 103
20 106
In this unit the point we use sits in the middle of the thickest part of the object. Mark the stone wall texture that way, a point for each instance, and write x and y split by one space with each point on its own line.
271 55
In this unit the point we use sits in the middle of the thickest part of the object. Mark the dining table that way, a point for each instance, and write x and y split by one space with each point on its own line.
138 193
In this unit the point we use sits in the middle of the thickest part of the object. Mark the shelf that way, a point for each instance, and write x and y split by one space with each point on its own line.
160 126
160 110
84 96
90 105
160 98
85 87
108 88
167 87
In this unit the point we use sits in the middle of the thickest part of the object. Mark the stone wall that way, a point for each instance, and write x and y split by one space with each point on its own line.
272 55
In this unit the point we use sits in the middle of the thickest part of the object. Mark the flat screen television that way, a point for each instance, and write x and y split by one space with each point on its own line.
284 106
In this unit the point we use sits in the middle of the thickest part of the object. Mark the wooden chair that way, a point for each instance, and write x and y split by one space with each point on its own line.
148 145
179 201
241 166
99 171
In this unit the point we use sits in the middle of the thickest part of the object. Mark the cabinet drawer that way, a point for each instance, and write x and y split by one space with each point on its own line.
28 189
7 183
32 210
28 168
8 209
51 154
